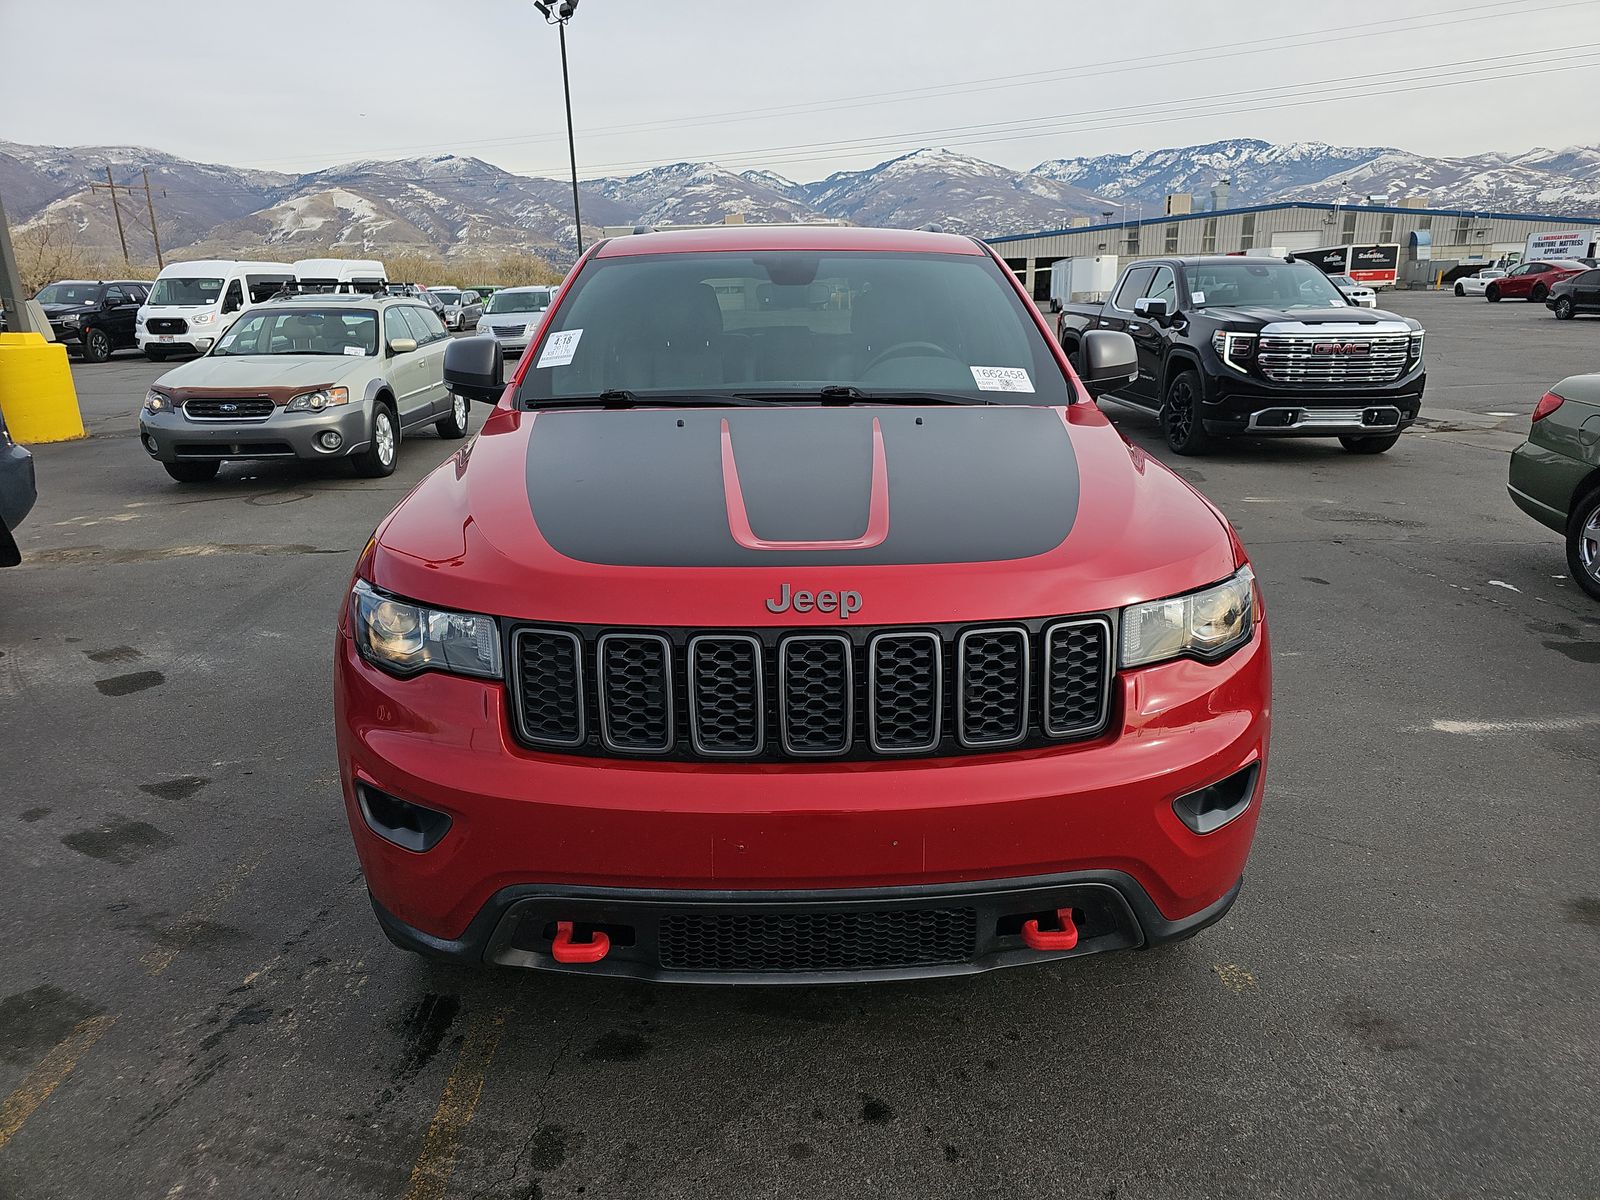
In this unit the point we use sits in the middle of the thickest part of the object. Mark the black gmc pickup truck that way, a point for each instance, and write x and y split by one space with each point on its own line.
1258 347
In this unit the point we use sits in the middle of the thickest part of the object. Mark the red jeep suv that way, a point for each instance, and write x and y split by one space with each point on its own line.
797 616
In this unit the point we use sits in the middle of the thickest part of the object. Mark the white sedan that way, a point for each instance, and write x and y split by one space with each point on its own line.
1476 285
1358 294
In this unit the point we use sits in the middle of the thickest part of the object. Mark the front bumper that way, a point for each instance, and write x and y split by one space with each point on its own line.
1245 405
684 937
173 437
195 340
535 835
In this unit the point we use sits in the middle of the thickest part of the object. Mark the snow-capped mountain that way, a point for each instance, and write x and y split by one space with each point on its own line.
953 192
454 205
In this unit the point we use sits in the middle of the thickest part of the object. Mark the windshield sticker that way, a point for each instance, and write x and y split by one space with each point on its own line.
1197 297
1002 379
560 347
355 352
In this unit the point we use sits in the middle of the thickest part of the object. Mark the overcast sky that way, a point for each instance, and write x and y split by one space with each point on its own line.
804 89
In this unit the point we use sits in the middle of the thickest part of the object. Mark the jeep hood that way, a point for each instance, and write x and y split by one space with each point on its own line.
694 516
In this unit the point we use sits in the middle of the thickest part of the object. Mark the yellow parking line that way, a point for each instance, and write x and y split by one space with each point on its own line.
430 1177
51 1072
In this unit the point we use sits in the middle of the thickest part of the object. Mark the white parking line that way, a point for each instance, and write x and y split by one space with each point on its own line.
1500 728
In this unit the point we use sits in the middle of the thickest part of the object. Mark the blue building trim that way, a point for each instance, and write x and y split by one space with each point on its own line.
1303 205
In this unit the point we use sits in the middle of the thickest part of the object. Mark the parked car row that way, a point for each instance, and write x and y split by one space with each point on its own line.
189 305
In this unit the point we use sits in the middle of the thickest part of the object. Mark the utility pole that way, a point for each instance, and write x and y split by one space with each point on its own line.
12 300
150 206
110 185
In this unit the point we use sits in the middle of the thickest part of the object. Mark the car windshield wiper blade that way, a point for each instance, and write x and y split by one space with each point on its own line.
622 398
843 394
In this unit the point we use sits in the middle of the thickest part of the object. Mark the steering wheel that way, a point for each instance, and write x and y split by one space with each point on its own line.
909 350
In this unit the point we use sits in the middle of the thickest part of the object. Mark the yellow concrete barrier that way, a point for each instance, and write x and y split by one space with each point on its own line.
36 392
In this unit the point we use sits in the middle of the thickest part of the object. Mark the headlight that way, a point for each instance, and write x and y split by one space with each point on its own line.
1206 624
158 402
318 400
204 318
1416 346
1235 349
139 320
407 638
71 319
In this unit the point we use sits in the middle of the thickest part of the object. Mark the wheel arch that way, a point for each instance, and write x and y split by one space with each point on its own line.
1180 359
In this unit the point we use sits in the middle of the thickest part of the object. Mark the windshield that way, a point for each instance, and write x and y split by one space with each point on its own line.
69 293
448 295
1343 281
518 302
301 331
1278 285
793 322
175 291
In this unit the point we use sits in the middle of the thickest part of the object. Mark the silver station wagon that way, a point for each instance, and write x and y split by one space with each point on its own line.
312 377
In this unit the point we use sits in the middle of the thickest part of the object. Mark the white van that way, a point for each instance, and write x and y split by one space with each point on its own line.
347 275
193 302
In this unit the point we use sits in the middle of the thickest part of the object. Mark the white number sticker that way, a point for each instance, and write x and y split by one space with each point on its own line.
559 348
1002 379
351 351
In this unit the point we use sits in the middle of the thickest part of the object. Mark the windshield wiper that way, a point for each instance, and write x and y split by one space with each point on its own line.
622 398
841 394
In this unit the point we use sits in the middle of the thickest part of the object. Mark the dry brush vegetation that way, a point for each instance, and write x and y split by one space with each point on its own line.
52 251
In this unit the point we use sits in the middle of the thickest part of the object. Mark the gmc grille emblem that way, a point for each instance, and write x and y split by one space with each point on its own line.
843 603
1341 348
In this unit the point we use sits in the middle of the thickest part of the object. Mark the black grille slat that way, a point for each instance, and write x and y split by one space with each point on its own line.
726 695
1075 677
795 942
168 325
635 673
550 686
816 694
906 690
992 686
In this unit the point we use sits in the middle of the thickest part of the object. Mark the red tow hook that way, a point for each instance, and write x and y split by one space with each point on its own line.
1064 938
565 950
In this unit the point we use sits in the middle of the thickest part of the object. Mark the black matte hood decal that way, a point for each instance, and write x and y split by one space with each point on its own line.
655 487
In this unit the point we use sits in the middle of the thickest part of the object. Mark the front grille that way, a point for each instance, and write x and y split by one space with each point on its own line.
507 331
227 409
779 694
865 940
166 325
1325 359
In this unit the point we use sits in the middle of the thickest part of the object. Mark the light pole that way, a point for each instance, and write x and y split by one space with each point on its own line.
561 14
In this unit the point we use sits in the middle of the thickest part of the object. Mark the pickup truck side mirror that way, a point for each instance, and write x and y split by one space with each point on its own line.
475 368
1110 361
1153 307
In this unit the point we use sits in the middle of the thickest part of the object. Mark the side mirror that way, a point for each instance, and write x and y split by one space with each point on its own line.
402 345
1153 307
475 368
1110 360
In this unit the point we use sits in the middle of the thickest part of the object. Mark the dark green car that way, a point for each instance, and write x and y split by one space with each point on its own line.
1555 474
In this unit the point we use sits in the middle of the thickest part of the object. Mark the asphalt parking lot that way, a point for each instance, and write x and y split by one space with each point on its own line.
196 1001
